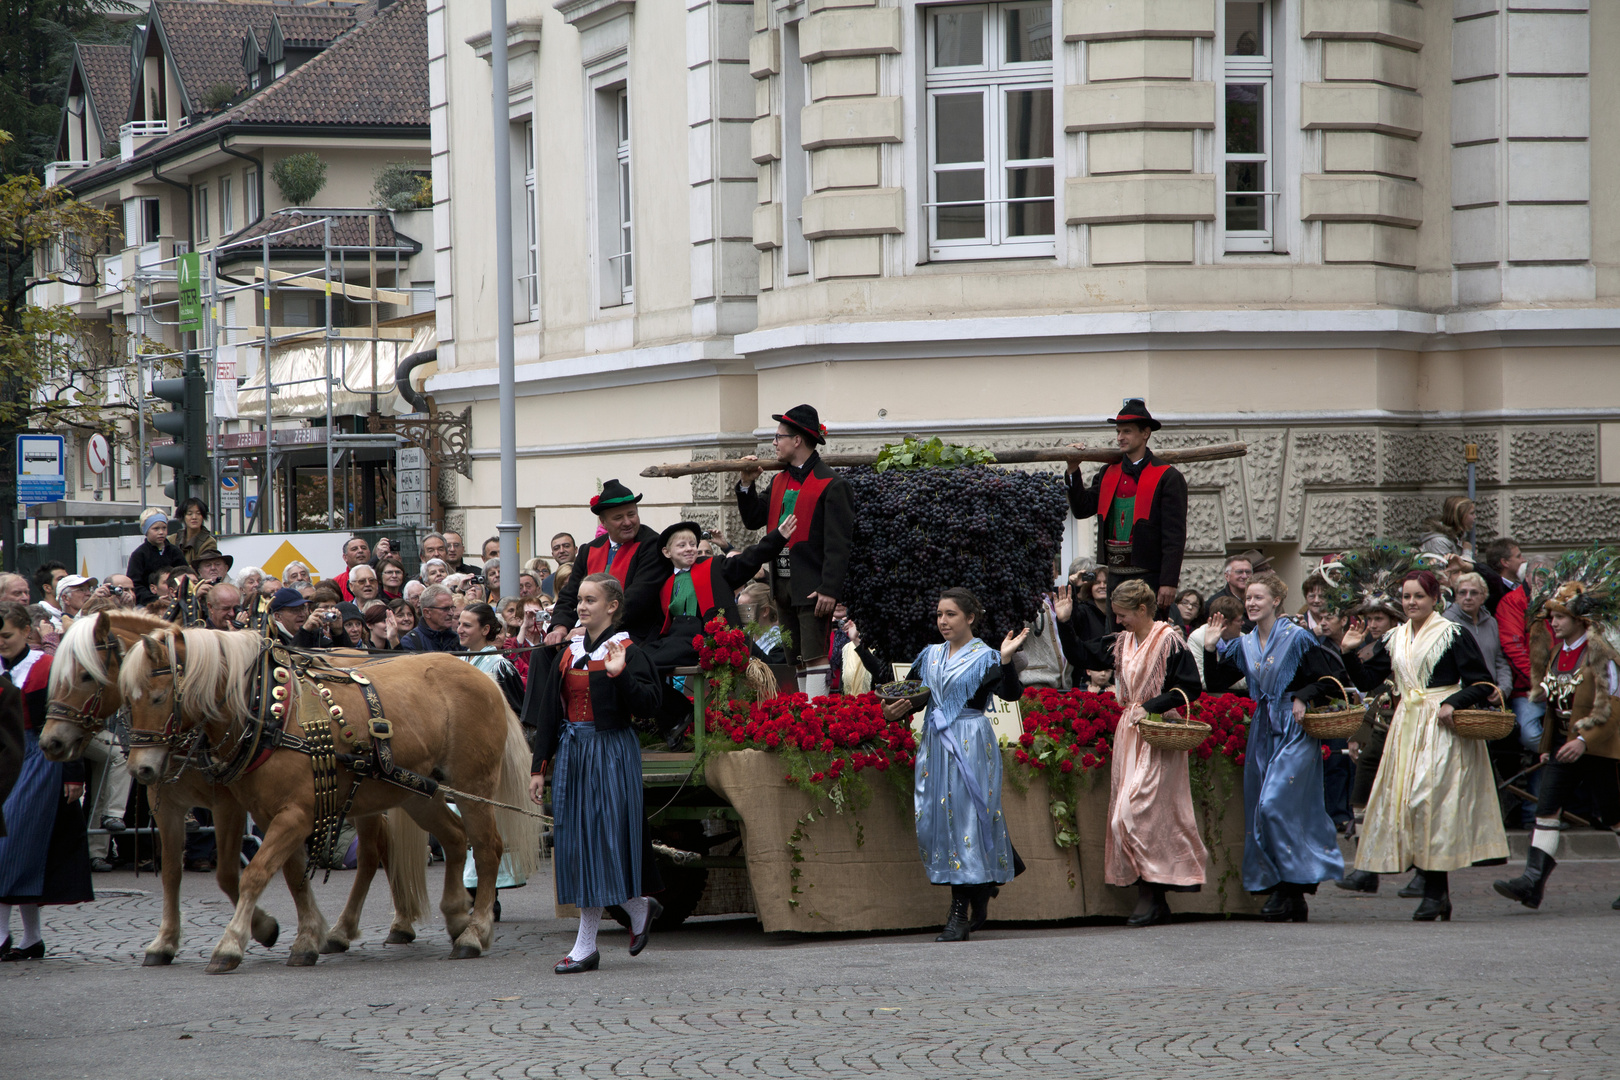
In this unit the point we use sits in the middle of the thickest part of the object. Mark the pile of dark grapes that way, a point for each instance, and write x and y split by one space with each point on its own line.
921 531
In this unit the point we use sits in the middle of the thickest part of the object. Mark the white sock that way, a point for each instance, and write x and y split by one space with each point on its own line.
585 944
1546 835
5 921
815 681
30 921
637 909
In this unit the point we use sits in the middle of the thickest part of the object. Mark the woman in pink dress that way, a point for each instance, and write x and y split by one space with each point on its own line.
1152 840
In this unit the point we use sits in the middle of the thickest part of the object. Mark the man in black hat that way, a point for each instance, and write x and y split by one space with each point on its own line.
630 552
808 578
1142 506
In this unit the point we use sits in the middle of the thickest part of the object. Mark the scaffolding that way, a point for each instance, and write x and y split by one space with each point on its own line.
348 252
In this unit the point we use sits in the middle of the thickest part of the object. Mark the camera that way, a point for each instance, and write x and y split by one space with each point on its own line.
476 579
1089 577
116 590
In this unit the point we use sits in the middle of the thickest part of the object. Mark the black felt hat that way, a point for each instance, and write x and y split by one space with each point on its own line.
690 526
613 494
1135 411
806 419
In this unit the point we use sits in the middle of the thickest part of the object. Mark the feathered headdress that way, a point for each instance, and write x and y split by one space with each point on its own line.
1369 579
1584 583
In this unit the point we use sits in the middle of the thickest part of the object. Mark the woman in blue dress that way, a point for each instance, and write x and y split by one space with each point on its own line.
961 833
1289 844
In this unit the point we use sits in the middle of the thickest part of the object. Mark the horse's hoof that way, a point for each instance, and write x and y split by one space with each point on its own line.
466 952
269 940
158 959
335 945
302 959
399 937
221 964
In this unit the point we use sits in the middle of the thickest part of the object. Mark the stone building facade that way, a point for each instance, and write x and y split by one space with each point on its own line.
1356 234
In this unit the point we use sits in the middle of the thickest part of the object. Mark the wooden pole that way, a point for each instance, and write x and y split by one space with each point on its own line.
1101 454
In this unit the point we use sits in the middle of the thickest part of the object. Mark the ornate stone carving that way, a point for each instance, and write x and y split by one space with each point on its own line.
1262 479
1335 522
1203 575
1436 457
1544 453
1564 518
1205 531
1332 457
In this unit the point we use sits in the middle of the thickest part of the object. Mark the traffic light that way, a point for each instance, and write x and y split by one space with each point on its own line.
187 422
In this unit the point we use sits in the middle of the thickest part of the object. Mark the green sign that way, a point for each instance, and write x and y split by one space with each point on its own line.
190 281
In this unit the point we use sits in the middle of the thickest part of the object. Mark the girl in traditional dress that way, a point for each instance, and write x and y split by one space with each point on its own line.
1289 844
1434 803
603 852
44 854
1152 839
961 833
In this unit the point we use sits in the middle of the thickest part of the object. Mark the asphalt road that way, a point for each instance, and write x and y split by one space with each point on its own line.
1359 991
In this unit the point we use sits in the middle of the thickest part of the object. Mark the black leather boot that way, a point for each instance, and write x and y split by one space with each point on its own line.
979 905
1276 907
1412 889
1436 898
1364 881
1157 913
1529 886
956 927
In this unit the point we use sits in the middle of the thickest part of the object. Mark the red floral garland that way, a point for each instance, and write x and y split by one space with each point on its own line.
821 740
1073 729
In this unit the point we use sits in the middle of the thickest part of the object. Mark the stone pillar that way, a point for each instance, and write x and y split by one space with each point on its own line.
1145 182
1521 160
720 107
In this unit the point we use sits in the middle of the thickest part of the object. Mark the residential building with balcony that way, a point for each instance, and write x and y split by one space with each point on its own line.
1359 235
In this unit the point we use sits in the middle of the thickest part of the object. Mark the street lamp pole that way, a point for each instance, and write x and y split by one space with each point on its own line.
500 110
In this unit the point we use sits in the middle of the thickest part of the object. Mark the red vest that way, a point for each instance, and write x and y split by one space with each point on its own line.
596 559
803 510
1145 486
702 583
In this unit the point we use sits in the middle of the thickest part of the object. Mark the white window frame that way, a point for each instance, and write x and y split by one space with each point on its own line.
225 226
202 213
1259 70
795 80
615 233
625 256
251 210
994 79
531 224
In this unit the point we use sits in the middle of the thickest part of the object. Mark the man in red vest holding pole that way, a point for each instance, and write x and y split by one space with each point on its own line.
808 578
630 552
1141 504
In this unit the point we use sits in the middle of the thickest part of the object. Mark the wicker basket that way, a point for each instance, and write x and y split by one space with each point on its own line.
1173 734
1486 724
1334 723
910 691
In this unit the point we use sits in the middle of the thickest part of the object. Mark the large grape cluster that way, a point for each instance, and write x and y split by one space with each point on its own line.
917 532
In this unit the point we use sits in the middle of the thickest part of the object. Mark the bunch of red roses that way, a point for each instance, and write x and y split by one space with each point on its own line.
721 645
1066 729
1228 715
824 741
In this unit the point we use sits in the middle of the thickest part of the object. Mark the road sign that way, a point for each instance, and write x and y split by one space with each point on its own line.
252 507
188 274
97 453
41 468
230 493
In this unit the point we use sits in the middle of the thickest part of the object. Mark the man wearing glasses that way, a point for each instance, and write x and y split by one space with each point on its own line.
435 630
808 579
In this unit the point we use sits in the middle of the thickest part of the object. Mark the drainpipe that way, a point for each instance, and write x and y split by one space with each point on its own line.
402 377
258 172
191 225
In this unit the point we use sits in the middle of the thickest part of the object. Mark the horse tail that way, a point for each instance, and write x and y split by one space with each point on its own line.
520 833
406 860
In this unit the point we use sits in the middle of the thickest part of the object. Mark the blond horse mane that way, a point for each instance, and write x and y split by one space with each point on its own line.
218 667
77 653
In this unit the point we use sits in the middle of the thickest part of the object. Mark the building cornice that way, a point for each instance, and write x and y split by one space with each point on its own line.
596 371
1116 331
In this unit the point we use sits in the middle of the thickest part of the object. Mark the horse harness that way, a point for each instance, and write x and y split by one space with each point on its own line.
88 716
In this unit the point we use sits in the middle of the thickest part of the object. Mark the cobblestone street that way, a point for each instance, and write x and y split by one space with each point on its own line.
1360 990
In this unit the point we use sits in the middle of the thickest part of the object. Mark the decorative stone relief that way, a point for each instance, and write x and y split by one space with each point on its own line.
1562 453
1321 458
1436 457
1204 531
1262 479
1564 518
1203 575
1404 516
1225 476
1335 522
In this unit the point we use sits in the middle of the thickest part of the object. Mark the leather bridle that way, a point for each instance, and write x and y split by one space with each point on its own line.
88 716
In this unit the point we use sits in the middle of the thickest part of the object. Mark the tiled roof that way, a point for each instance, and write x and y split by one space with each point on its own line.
106 73
375 75
348 230
205 40
311 28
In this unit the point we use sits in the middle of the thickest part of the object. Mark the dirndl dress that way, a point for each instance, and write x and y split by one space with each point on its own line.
596 805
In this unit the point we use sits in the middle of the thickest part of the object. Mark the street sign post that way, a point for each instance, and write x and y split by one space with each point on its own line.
41 468
188 274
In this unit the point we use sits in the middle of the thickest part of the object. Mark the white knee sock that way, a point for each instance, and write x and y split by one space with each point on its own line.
636 908
1546 835
5 921
30 921
585 943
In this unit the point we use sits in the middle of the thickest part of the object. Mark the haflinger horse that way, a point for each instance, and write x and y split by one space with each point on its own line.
441 719
85 695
